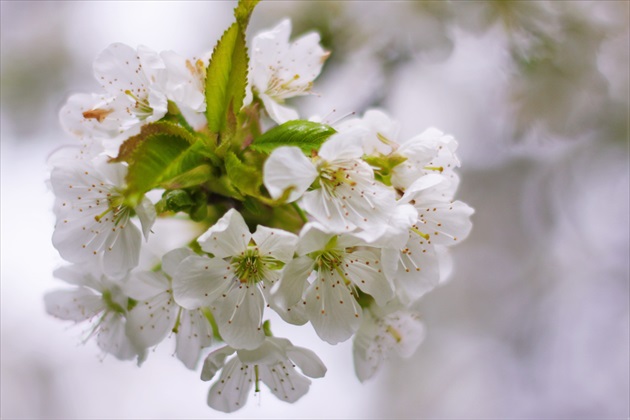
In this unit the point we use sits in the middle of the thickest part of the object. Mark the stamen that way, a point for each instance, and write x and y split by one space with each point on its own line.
394 333
424 235
435 168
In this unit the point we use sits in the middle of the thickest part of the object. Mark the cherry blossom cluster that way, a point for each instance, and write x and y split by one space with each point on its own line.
343 227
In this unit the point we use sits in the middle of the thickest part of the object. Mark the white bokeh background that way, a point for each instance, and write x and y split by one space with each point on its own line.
535 320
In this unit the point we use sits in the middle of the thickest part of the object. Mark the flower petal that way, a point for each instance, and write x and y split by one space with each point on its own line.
276 243
112 337
122 251
73 305
230 392
199 280
284 381
194 334
145 285
365 271
414 270
228 237
292 281
331 308
308 362
287 167
172 259
277 112
239 315
150 320
147 215
214 362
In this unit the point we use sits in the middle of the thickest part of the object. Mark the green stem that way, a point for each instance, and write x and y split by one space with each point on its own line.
300 212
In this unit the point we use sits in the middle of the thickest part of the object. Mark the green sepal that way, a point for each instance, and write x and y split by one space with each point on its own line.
226 80
306 135
384 164
175 201
247 179
196 176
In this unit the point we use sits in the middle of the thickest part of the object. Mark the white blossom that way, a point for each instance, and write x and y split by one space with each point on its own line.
344 195
156 313
272 363
93 219
235 281
399 332
99 300
415 267
338 266
133 83
280 69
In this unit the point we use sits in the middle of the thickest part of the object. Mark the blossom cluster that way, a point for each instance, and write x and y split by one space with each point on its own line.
343 227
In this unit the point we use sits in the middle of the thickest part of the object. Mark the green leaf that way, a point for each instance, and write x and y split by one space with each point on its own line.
129 148
306 135
247 179
164 154
243 11
151 159
226 80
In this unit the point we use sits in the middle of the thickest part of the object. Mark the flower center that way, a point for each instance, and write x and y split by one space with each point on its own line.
110 304
249 267
117 206
333 176
141 109
329 259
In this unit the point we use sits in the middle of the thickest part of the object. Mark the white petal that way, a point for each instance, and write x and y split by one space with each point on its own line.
230 392
239 316
85 116
228 237
184 83
284 381
150 320
446 223
365 362
172 259
73 305
215 362
113 339
200 280
292 281
147 215
123 250
277 112
410 329
421 184
194 334
287 167
331 308
80 275
308 362
343 146
313 237
394 233
415 271
364 270
146 284
118 68
276 243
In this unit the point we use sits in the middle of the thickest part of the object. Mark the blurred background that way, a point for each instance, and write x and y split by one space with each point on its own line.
534 322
